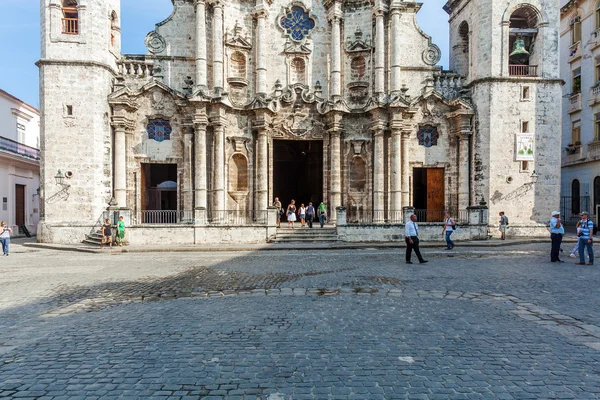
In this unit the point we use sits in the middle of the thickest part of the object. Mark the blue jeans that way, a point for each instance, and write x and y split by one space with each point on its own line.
583 244
322 219
449 241
5 243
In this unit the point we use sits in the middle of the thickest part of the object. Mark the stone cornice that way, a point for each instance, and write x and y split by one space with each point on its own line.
514 79
78 63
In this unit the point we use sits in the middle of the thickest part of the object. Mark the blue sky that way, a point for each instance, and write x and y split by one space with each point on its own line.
20 33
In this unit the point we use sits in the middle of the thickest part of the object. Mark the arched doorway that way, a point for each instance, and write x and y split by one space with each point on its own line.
298 171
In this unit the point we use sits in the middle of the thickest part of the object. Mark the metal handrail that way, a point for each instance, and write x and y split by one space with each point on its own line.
19 148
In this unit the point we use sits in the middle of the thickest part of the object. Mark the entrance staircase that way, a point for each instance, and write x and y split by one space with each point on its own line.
328 234
94 238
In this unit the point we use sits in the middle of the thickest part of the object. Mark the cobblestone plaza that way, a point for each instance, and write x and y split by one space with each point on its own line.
489 323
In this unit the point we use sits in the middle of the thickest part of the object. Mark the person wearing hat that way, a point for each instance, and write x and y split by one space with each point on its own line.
585 239
557 230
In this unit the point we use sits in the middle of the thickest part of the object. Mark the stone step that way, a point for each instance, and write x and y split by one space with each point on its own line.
304 240
307 231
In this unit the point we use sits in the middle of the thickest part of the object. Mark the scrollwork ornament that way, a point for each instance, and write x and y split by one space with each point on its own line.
432 55
155 42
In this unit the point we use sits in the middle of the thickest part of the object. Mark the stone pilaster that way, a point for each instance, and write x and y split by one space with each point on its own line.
217 39
218 124
336 57
201 66
200 175
120 125
378 172
463 170
379 13
405 169
188 165
396 203
261 14
396 49
335 131
262 165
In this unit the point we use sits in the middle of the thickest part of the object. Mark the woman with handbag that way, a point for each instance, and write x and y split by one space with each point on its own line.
5 232
291 213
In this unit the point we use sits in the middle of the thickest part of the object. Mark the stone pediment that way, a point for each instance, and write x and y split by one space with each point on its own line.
296 48
239 43
236 39
158 91
298 122
358 45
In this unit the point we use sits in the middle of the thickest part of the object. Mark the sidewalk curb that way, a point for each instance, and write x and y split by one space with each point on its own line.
288 246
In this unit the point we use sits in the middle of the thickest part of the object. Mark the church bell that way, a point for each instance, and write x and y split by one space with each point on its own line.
519 53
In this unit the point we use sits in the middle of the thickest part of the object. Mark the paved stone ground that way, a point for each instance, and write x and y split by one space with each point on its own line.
355 324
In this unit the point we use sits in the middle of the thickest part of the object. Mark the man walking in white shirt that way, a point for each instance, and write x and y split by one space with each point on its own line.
412 240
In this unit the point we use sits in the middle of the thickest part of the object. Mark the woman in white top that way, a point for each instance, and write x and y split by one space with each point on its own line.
302 213
448 229
5 232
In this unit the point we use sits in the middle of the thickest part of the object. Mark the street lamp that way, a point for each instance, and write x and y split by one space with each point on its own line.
534 176
59 177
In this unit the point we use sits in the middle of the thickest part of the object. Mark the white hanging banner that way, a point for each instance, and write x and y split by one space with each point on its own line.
525 147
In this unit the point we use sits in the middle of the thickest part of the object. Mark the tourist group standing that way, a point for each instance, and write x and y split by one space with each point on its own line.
304 214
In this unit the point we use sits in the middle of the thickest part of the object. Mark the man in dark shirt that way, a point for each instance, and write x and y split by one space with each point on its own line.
310 214
106 234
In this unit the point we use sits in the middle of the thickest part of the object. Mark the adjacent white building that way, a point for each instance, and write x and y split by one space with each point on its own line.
580 69
19 163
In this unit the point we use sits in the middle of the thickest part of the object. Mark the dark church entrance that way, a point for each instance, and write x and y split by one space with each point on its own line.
298 171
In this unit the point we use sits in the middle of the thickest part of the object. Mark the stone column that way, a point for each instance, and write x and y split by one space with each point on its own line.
335 172
396 83
396 173
260 13
405 170
262 170
200 175
219 165
463 171
188 162
504 70
217 46
336 64
120 165
378 174
201 68
379 51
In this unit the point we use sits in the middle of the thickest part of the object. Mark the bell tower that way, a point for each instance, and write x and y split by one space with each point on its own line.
80 46
508 51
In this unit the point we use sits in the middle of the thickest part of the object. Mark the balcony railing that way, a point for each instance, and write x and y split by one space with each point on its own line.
70 26
574 52
374 217
594 95
361 216
594 149
522 70
163 217
236 217
18 148
575 103
136 66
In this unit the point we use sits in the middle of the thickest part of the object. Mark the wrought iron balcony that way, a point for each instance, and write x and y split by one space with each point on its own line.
20 149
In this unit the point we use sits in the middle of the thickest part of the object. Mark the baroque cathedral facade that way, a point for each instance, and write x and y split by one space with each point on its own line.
337 101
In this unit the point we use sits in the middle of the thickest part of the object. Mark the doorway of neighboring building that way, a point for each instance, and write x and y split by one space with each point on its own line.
298 171
20 206
428 193
159 193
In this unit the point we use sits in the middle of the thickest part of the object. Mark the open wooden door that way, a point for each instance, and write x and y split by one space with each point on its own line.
20 206
435 194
